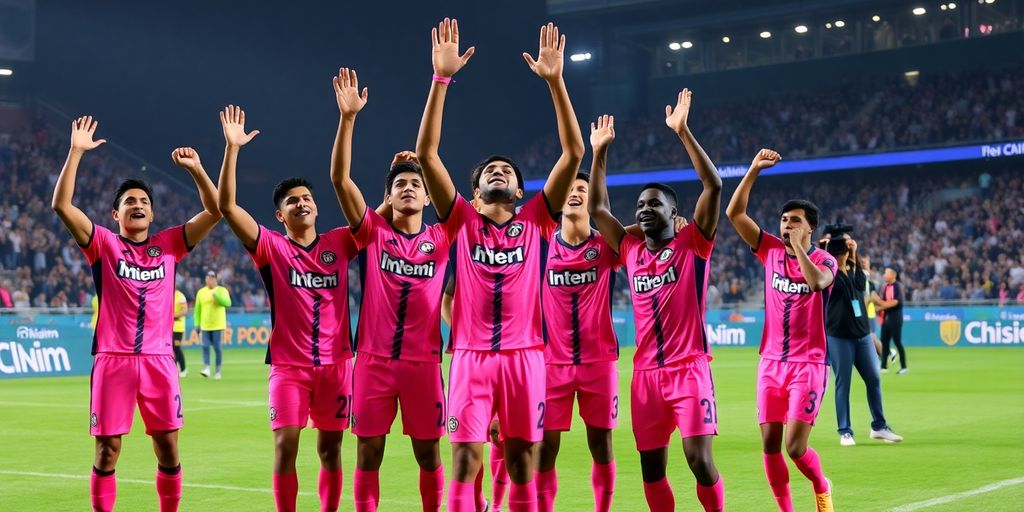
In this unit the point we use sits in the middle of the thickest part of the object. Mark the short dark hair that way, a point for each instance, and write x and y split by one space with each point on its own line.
127 185
478 169
585 176
399 168
810 210
667 190
282 188
895 269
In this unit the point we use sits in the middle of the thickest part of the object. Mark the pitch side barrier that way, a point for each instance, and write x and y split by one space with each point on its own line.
46 343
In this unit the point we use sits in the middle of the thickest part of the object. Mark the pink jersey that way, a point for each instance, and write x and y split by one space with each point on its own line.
403 279
135 287
794 317
668 288
578 302
308 292
498 271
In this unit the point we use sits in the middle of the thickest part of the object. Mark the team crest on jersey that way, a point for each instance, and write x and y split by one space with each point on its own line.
273 413
93 420
830 264
154 251
666 254
591 254
453 424
328 257
427 247
515 229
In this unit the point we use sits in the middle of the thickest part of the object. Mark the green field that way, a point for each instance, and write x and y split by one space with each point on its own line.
961 410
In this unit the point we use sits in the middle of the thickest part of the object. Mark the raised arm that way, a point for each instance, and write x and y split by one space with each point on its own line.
350 102
200 225
601 136
446 60
549 67
818 278
705 214
749 231
232 120
82 130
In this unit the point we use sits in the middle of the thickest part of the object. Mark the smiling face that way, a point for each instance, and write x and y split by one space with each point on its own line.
297 210
134 211
408 194
576 204
654 211
498 183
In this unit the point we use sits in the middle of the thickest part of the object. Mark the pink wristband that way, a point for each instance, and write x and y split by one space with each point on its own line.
443 79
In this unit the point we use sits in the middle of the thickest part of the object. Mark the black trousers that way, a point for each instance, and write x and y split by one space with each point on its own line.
893 331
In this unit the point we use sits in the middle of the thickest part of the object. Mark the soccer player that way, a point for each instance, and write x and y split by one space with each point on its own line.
498 361
890 308
582 348
793 372
211 318
672 384
180 310
134 275
310 351
398 342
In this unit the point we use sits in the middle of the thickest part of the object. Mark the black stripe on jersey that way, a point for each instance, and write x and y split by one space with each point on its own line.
453 258
699 267
786 312
824 317
496 305
612 274
362 257
403 306
140 322
268 284
314 336
659 335
576 328
97 279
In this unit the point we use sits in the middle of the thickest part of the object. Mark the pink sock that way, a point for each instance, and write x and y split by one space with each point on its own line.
168 489
712 497
329 487
602 479
659 496
286 488
478 490
522 497
432 488
102 491
460 497
367 490
547 487
777 471
810 465
499 474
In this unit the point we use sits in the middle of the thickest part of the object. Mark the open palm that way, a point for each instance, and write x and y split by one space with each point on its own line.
676 117
82 131
603 132
549 57
232 120
445 48
346 91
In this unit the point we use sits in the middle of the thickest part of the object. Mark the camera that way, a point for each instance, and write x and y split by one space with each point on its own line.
838 229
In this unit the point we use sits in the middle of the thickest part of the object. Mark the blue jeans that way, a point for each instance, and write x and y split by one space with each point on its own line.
211 338
843 355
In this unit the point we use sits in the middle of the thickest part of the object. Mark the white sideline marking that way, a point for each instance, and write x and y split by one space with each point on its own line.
44 404
960 495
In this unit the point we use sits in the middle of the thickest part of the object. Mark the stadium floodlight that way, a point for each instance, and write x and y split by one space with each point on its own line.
765 34
725 39
800 29
876 18
6 72
912 73
952 5
990 1
580 57
918 11
840 23
674 46
828 25
687 44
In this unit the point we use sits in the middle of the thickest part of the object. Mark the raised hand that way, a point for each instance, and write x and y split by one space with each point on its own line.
549 57
232 120
445 42
346 92
764 159
676 117
603 133
186 158
82 130
405 156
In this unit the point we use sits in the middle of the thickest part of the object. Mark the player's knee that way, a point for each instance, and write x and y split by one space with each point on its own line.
427 459
652 469
328 451
795 448
106 454
701 464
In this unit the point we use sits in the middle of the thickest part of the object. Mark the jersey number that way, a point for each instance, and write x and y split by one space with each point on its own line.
812 397
343 408
177 398
540 422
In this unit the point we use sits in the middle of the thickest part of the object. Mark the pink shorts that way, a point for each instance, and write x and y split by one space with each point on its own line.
120 380
509 384
299 393
380 384
790 391
596 385
680 395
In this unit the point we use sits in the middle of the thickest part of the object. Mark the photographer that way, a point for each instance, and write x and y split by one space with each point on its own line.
849 338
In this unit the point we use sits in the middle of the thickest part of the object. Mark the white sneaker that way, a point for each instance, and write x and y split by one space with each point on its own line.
893 355
847 440
884 370
183 374
886 434
902 371
216 376
205 372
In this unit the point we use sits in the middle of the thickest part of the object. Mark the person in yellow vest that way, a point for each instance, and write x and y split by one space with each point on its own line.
210 318
869 291
180 310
